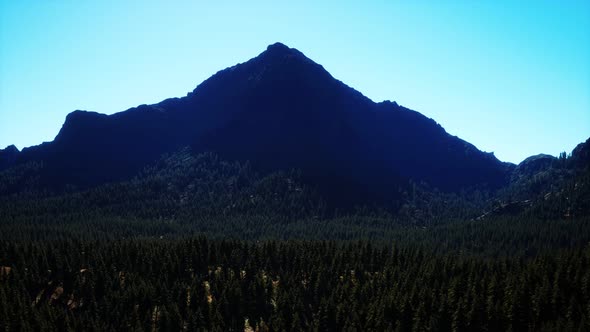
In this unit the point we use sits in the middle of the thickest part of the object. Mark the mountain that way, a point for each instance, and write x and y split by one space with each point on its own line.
548 186
279 110
274 197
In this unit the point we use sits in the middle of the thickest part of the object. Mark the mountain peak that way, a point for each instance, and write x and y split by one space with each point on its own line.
10 149
280 51
278 47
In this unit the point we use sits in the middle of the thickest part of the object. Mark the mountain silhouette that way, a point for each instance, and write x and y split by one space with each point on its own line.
8 156
279 110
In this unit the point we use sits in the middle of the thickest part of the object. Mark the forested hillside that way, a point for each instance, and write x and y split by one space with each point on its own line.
194 242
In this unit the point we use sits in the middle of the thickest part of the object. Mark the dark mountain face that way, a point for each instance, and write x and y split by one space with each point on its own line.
581 154
8 156
533 165
279 110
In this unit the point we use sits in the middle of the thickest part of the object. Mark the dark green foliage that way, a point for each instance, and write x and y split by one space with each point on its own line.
142 283
196 243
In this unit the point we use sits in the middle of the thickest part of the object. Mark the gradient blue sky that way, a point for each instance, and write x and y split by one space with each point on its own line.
512 77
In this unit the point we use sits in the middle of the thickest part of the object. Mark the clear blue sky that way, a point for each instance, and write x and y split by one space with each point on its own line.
512 77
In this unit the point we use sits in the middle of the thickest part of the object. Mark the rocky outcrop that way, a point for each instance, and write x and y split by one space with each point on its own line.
533 165
8 156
